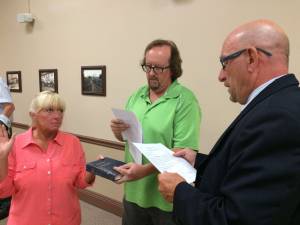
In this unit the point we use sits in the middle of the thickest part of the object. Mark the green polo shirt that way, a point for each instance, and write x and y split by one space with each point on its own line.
173 120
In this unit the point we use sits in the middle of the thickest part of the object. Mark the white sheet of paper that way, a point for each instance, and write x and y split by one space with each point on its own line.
162 158
133 134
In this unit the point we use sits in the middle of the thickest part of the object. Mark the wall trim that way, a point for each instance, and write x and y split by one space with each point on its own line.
101 201
91 197
90 140
101 142
20 125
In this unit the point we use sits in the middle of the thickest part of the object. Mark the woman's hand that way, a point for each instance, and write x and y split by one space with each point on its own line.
5 148
5 143
90 177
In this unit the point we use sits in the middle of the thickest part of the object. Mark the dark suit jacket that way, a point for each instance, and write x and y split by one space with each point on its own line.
251 176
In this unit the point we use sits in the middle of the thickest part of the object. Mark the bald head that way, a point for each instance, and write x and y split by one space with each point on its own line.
263 34
253 54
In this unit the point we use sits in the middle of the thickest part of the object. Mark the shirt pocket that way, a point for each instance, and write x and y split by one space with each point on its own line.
25 167
25 174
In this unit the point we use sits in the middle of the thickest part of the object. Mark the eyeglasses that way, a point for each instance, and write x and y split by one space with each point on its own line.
156 69
224 60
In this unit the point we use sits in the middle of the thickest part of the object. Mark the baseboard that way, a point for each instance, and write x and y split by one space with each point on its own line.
101 201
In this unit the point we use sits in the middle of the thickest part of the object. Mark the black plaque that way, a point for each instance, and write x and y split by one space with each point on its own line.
104 168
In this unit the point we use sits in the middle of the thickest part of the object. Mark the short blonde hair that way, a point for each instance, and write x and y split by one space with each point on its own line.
45 100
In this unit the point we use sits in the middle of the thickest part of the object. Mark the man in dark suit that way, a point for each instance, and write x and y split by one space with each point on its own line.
252 174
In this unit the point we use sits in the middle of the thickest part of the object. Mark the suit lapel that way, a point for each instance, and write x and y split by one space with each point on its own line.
277 85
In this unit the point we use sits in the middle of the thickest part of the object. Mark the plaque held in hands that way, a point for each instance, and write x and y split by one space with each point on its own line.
104 168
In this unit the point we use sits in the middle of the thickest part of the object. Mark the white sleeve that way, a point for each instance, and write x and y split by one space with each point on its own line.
5 96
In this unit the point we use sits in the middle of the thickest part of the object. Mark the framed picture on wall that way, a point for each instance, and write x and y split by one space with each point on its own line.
14 81
93 80
48 80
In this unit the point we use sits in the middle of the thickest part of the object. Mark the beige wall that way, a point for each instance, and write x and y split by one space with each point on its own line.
68 34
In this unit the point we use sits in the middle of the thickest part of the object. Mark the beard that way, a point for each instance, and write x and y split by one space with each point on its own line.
154 84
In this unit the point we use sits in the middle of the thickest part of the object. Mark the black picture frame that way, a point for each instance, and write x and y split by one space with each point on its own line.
14 81
48 80
93 80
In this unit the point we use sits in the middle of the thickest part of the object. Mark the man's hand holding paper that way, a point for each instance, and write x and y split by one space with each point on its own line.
186 153
133 133
117 127
167 184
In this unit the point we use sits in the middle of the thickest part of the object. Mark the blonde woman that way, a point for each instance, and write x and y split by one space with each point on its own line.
43 167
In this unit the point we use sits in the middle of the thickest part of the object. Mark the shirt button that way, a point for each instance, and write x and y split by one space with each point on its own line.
48 160
49 172
24 167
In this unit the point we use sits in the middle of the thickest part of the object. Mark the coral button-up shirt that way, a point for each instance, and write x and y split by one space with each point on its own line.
43 184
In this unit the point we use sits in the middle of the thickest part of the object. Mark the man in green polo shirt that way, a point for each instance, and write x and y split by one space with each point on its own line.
169 114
